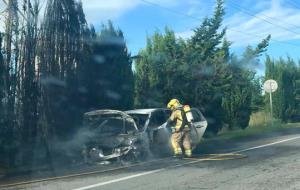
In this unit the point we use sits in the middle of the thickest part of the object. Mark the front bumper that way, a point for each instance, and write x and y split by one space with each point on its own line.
98 154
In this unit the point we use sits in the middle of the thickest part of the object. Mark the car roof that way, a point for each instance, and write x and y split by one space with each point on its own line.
105 112
143 111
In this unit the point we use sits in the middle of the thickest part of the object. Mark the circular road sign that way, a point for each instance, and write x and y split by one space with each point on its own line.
270 86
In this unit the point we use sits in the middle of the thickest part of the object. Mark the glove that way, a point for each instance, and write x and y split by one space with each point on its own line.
173 129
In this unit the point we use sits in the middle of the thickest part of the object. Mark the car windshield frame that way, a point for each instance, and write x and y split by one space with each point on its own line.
98 122
141 125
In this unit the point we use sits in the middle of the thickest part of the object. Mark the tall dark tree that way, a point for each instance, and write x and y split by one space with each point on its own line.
29 89
11 81
60 49
2 98
51 72
109 75
1 82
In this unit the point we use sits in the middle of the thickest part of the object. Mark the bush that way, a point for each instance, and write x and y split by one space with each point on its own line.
262 119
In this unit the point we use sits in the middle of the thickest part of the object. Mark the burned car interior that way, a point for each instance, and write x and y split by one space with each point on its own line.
109 122
114 135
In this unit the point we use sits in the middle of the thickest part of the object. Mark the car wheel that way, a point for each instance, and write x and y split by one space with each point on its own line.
128 158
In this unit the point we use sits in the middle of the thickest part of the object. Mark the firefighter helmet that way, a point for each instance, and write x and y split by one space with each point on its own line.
173 103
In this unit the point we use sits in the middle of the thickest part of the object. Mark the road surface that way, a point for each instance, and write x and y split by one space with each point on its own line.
272 162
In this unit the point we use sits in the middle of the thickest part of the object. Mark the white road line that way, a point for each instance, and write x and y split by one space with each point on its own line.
266 145
134 176
178 165
120 179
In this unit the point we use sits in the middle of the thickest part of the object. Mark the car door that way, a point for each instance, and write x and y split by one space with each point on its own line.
199 126
161 144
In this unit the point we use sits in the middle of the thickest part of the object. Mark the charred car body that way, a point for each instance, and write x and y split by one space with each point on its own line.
153 121
129 135
114 135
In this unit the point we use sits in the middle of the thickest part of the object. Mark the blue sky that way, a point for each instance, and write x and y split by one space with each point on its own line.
256 18
248 21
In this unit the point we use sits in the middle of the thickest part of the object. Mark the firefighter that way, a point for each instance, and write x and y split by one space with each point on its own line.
181 130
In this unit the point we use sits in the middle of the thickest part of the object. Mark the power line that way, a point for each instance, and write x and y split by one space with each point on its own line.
266 16
251 34
198 19
294 4
263 19
168 9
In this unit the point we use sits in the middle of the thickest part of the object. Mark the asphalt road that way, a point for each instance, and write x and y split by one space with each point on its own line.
272 162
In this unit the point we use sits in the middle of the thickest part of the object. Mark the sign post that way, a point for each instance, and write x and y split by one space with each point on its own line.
270 86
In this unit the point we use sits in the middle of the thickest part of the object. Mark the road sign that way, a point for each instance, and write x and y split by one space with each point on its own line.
270 86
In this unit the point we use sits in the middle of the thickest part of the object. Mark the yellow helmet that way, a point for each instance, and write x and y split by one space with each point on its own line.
173 103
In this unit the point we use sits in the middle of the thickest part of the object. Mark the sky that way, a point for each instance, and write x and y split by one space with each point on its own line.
247 21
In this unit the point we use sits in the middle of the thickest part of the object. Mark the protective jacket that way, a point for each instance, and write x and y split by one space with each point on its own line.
179 116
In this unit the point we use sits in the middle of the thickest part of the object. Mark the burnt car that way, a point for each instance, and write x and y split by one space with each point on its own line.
114 135
153 121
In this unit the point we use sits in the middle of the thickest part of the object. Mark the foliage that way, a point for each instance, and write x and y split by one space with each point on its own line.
201 72
286 99
54 70
244 95
108 76
157 68
50 74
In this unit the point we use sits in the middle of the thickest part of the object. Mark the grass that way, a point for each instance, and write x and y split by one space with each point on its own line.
259 123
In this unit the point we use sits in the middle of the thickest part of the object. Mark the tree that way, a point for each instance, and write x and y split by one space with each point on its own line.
108 76
2 98
257 103
29 93
243 95
207 54
286 98
2 95
201 72
194 71
159 69
61 44
11 82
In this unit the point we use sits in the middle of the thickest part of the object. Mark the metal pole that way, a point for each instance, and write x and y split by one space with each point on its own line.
271 106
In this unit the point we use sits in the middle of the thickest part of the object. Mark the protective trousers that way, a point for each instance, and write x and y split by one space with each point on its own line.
181 137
